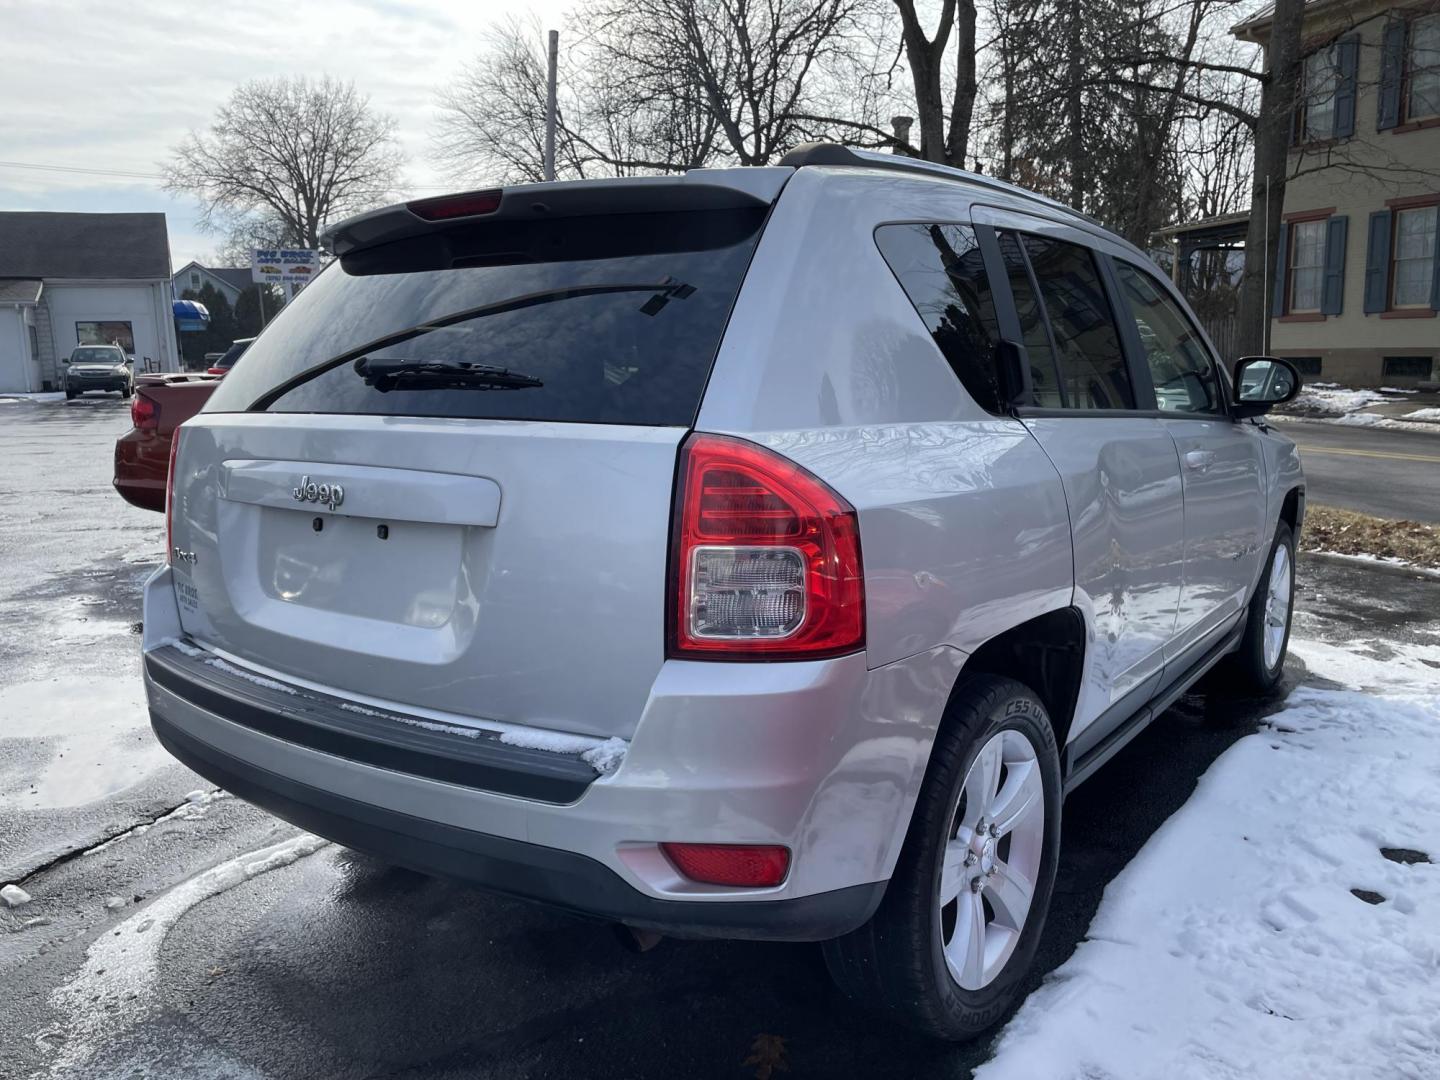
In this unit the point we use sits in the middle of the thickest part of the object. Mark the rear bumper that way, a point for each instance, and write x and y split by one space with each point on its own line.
825 758
557 878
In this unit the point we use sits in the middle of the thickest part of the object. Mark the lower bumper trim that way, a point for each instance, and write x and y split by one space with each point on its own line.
550 876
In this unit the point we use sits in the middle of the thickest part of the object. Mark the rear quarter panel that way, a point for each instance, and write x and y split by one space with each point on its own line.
963 523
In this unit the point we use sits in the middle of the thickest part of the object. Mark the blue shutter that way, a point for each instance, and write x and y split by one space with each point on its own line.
1333 296
1280 250
1392 70
1347 59
1377 263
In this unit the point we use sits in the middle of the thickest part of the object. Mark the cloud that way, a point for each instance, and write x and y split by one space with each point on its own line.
94 84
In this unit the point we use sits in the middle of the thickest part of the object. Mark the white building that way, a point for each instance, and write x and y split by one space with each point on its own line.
82 279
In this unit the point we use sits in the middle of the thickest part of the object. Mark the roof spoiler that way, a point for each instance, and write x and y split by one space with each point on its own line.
699 189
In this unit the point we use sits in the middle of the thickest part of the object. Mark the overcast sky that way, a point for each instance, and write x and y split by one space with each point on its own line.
106 85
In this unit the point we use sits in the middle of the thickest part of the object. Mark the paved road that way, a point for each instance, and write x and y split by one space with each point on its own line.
1394 474
333 966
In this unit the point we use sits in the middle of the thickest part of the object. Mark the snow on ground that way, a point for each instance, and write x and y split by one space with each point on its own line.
1336 404
116 984
1332 399
91 734
1234 945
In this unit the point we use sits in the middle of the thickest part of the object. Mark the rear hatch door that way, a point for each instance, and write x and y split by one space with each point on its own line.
441 480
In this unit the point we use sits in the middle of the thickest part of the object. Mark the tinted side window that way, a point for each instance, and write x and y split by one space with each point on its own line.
941 271
1044 375
1184 377
1092 363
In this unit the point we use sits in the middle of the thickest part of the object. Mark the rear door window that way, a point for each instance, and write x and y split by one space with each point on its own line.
608 319
942 272
1044 373
1091 360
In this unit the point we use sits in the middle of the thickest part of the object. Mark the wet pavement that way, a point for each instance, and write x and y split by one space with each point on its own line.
334 966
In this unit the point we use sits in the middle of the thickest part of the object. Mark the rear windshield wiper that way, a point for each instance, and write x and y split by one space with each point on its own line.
386 373
665 290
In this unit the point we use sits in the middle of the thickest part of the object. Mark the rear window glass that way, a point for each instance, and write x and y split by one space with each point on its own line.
942 272
612 319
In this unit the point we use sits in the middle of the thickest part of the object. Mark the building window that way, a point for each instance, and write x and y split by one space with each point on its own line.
105 333
1414 367
1317 105
1422 69
1306 365
194 281
1413 268
1307 265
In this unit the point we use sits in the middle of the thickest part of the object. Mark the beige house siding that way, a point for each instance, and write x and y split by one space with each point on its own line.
1357 176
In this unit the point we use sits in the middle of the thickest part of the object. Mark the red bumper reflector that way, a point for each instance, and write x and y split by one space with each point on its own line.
752 865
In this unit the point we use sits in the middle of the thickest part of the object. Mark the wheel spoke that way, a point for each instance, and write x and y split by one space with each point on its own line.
966 948
953 873
983 782
1010 893
1021 793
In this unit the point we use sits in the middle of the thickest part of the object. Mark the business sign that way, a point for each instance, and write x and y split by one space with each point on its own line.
281 266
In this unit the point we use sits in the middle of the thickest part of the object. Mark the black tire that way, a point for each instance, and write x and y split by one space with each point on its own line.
125 392
71 395
895 961
1246 668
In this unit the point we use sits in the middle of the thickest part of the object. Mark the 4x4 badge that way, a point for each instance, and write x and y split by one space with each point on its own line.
331 495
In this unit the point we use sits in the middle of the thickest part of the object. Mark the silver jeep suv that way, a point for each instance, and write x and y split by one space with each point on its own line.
755 553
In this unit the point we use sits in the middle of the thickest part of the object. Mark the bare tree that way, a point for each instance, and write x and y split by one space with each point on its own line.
925 55
661 85
292 153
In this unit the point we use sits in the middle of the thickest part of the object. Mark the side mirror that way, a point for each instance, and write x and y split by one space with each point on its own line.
65 359
1262 382
130 360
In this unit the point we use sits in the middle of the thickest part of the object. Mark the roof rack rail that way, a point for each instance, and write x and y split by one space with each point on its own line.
821 153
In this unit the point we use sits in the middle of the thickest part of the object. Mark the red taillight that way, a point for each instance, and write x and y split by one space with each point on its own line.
766 558
170 496
445 207
754 865
144 413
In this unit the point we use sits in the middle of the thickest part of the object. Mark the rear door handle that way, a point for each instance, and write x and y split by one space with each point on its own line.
1199 460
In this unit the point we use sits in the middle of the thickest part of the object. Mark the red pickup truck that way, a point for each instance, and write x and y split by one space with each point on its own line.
160 405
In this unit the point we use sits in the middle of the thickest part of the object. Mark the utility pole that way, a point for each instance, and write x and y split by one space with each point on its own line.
550 105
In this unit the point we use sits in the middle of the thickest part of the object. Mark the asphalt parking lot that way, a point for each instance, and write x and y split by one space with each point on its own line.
331 965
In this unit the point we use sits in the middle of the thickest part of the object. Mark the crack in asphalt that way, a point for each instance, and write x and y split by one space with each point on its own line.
23 874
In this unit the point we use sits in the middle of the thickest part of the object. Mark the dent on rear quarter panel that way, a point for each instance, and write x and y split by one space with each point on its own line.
963 524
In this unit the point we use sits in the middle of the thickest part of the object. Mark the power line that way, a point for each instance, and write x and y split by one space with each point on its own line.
80 170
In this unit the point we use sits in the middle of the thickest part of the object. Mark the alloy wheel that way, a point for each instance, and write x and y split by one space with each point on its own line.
992 859
1277 606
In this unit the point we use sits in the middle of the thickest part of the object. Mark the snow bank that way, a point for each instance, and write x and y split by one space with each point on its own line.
1332 399
1423 414
1233 946
114 986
